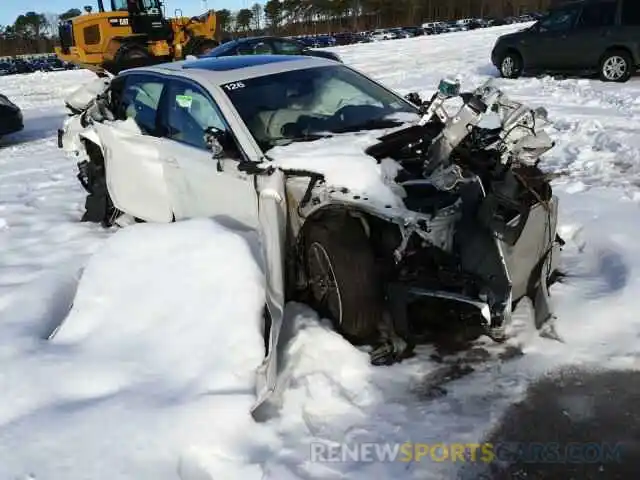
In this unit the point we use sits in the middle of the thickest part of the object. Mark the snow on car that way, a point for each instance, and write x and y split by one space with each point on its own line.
461 219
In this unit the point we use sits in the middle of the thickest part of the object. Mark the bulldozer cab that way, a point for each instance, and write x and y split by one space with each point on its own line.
145 17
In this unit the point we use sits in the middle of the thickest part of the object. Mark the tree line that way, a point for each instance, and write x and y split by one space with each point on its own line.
293 17
35 32
32 32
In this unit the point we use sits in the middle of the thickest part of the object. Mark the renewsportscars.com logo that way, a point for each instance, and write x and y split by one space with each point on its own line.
467 452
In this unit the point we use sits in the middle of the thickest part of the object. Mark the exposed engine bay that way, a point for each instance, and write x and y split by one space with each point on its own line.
480 229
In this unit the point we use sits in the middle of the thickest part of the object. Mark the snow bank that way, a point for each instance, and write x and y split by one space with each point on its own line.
158 353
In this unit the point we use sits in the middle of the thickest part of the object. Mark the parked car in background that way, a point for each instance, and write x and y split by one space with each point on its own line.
381 34
10 116
399 33
268 46
437 27
23 66
7 68
56 65
589 36
414 31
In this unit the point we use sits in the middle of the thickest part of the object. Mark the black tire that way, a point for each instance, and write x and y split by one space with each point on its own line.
356 305
200 46
98 205
616 66
131 55
510 65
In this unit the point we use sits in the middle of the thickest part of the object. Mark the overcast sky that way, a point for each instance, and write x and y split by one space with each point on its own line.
10 9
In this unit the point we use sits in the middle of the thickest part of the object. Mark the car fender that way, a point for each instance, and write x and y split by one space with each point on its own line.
73 132
324 200
273 228
92 136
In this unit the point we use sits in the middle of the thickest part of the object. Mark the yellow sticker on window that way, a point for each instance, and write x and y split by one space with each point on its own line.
184 101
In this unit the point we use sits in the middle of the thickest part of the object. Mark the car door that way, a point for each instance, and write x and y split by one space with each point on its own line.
543 47
593 32
206 186
136 175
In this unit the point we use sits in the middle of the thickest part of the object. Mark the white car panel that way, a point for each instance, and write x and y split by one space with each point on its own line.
136 176
273 224
206 190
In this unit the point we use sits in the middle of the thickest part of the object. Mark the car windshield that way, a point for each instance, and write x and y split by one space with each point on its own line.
308 104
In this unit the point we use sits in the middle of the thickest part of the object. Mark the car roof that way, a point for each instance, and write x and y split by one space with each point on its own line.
233 43
223 70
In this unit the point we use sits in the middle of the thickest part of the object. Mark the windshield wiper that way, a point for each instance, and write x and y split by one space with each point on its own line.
308 137
371 124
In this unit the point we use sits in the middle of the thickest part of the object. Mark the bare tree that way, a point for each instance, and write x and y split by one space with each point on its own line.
257 15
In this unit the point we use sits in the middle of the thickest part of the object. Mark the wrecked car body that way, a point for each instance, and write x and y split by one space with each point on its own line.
467 228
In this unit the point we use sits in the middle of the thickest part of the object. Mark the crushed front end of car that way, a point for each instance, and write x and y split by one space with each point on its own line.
476 228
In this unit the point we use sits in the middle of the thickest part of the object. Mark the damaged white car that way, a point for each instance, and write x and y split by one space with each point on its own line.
457 223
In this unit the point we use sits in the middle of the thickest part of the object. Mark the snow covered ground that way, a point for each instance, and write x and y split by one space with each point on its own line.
141 381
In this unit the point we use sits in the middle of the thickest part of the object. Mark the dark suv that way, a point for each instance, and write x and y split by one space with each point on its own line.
587 36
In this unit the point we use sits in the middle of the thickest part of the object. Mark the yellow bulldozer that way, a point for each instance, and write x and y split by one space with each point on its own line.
134 33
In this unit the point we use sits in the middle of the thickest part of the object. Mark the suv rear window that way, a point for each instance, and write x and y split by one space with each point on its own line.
597 15
630 12
559 20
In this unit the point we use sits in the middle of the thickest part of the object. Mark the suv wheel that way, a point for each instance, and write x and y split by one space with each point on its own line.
616 66
511 65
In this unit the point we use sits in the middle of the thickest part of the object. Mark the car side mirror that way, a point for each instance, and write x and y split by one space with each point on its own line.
213 138
221 144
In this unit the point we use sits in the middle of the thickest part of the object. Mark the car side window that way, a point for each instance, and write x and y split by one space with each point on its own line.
226 50
189 113
263 48
597 15
244 49
559 20
140 101
631 13
286 48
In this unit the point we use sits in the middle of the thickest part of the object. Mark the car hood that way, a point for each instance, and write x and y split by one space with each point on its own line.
513 35
347 170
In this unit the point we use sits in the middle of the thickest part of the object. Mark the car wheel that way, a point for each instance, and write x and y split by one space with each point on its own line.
510 65
343 282
200 46
616 66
